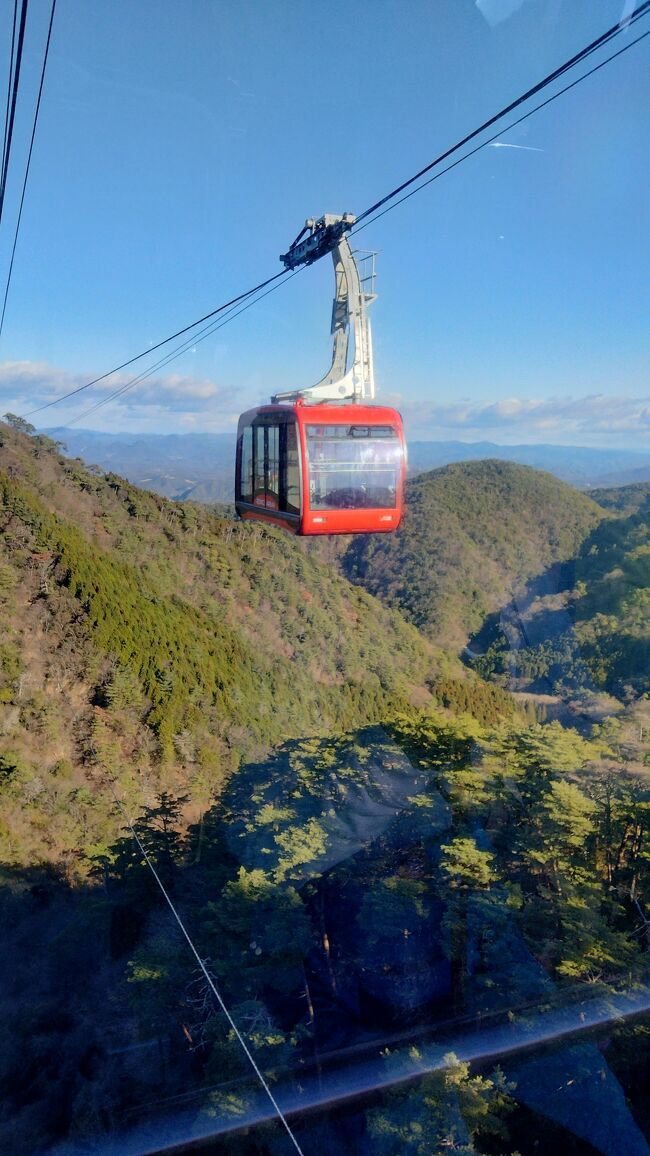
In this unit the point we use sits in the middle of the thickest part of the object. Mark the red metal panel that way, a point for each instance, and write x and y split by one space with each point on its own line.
346 521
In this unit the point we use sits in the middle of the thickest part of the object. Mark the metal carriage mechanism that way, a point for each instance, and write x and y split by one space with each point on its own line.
353 294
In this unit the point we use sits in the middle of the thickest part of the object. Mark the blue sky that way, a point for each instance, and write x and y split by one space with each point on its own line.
182 145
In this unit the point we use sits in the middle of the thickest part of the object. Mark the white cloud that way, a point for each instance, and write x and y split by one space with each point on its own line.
179 402
599 418
185 400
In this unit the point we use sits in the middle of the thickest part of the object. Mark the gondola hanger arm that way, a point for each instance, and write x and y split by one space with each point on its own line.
342 382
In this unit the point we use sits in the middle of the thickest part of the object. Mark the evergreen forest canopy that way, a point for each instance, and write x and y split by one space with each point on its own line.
591 631
364 836
472 532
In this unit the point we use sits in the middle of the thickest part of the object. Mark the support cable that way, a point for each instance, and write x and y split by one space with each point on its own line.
485 143
159 344
12 112
174 354
204 969
636 14
29 158
9 76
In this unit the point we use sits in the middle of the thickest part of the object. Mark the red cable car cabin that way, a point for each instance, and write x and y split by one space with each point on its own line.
321 469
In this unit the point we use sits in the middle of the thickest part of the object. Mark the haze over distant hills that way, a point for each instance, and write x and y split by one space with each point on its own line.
582 466
200 466
197 466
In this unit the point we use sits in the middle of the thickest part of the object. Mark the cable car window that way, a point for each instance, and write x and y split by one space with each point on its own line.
291 496
259 488
273 467
269 470
353 467
246 477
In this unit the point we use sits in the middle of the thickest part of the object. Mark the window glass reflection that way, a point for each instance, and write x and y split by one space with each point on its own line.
353 467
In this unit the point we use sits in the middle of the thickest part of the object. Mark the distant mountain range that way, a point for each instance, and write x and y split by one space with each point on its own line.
200 467
582 466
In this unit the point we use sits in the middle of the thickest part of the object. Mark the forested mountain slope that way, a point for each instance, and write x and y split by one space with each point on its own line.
164 643
594 631
623 499
611 603
471 533
382 868
352 895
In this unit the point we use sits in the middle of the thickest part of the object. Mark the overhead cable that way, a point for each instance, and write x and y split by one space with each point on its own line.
636 14
12 110
196 339
29 158
213 987
159 344
496 135
10 73
640 11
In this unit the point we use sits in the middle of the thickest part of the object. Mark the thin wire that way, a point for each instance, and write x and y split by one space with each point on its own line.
9 76
213 986
513 124
174 354
159 344
29 158
642 10
14 94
